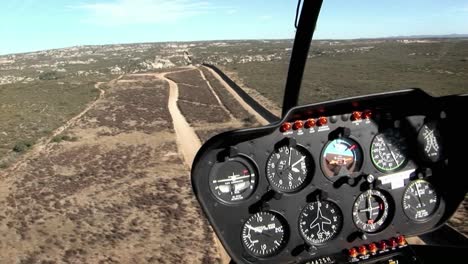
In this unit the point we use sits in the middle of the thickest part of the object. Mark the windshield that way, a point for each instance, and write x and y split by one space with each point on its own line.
104 105
362 48
387 47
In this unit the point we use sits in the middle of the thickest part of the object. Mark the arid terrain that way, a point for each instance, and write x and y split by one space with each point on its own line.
120 191
96 142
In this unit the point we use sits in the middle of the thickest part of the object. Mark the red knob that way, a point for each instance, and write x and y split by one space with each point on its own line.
401 240
383 245
367 114
362 250
309 123
322 121
298 124
393 243
356 115
352 252
372 247
286 126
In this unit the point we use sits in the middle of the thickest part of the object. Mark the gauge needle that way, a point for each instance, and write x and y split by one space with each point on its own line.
393 156
297 162
369 203
369 209
256 229
391 152
419 195
233 178
289 163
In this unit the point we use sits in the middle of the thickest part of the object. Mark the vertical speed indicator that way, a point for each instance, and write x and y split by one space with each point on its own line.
264 234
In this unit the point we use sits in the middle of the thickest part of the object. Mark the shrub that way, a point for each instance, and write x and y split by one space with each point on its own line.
22 146
4 164
60 138
51 75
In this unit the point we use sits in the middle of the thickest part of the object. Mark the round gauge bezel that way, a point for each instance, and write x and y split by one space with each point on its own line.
310 170
334 236
436 207
352 174
247 162
388 217
282 220
402 165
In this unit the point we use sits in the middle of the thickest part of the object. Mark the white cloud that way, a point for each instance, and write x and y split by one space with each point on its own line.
124 12
231 11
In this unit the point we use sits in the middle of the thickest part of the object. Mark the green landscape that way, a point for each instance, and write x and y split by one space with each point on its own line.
356 67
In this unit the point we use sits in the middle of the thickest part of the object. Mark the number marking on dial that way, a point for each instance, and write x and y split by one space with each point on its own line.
320 222
288 168
263 234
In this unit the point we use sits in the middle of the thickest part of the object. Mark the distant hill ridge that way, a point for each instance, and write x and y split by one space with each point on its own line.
432 36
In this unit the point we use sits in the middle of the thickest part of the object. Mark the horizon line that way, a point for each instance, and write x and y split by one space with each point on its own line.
422 36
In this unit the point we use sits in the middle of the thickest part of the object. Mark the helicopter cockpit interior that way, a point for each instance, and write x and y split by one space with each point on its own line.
342 181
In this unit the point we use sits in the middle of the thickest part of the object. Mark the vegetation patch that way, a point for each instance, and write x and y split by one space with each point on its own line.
228 100
60 138
33 110
359 67
198 113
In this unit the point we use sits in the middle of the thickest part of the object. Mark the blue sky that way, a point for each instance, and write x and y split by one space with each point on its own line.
28 25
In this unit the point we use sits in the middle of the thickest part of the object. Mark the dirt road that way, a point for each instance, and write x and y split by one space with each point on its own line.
121 192
188 144
187 141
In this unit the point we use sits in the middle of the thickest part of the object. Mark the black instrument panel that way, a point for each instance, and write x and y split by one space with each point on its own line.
330 177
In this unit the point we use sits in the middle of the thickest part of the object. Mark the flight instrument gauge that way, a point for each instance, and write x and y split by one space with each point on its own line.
233 180
420 200
264 234
429 142
320 222
288 168
341 157
388 150
370 211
